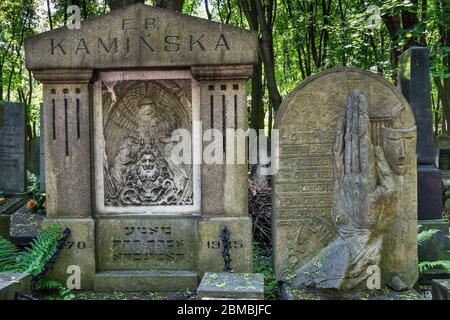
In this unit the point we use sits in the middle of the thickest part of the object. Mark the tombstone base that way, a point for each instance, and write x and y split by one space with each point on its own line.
429 192
78 253
143 280
289 293
12 283
231 286
6 210
440 290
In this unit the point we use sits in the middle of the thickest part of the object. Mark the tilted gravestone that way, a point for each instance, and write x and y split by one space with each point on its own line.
139 219
12 147
344 196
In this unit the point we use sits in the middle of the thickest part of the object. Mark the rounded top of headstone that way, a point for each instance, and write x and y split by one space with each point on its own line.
334 86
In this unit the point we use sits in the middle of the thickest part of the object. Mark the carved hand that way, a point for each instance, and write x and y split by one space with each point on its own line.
364 187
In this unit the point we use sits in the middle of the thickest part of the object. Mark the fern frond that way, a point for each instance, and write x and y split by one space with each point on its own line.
425 235
428 265
33 259
48 284
8 253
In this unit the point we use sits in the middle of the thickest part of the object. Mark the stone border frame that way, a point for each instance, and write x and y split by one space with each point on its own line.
98 144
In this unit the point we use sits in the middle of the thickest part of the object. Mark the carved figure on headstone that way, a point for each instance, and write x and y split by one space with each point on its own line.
363 200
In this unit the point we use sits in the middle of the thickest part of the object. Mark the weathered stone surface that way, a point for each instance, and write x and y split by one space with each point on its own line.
12 204
141 36
5 225
225 285
12 147
210 245
67 147
440 289
429 192
79 251
303 187
41 150
146 244
12 283
144 280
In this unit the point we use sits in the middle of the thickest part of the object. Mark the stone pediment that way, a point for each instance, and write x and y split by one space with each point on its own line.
141 36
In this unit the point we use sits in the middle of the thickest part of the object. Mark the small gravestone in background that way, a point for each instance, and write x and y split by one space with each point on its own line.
12 148
12 161
344 199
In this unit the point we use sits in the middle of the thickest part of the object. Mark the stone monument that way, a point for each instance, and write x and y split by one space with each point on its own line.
344 199
141 220
13 154
414 84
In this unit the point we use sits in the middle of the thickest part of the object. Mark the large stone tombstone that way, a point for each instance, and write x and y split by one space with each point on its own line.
306 186
141 220
12 147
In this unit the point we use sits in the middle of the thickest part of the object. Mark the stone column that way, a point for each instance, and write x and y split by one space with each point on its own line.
414 83
67 145
223 103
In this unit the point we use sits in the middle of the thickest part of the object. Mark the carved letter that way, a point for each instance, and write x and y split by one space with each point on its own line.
149 22
126 25
114 43
192 43
58 45
142 40
82 46
222 42
173 43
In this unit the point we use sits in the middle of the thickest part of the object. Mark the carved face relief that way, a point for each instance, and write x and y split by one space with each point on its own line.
399 146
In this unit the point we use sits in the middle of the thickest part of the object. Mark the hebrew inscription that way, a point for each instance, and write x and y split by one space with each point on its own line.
139 118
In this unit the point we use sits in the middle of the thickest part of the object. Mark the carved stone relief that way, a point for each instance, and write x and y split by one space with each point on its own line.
139 118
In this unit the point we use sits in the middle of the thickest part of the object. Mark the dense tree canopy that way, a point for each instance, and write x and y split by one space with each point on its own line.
297 38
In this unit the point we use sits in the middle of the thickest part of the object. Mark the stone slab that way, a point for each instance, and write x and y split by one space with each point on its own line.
13 148
440 289
225 285
5 226
146 243
12 204
429 192
145 280
12 283
79 250
141 36
210 245
288 293
41 149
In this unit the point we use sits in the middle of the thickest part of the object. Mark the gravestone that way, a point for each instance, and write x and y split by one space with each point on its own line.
414 84
139 219
12 148
344 196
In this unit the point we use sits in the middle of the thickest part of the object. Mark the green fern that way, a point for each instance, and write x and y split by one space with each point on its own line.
48 284
8 254
428 265
425 235
33 259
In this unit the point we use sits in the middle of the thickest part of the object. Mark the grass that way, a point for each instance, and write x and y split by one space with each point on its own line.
263 264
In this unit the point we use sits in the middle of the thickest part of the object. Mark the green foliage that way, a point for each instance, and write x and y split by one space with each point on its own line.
439 264
263 264
33 259
424 266
8 253
425 235
33 184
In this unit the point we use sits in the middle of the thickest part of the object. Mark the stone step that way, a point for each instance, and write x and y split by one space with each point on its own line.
146 280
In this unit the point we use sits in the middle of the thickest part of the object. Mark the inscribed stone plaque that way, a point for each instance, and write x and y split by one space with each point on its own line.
12 147
303 186
146 244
